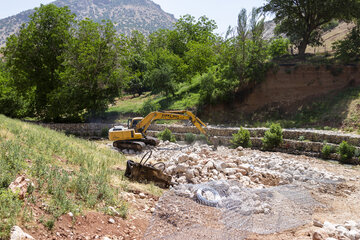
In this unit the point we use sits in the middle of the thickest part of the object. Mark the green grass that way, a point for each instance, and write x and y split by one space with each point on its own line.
129 104
186 97
70 174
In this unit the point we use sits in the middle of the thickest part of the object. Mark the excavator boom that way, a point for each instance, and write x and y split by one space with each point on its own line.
144 124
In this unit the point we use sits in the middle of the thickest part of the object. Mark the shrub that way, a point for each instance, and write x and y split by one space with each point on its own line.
346 151
167 135
326 151
301 138
241 138
273 137
189 137
202 138
50 224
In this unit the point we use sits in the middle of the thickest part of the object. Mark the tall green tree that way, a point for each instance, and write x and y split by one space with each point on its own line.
34 55
164 72
201 30
301 20
92 75
137 64
348 49
244 55
11 104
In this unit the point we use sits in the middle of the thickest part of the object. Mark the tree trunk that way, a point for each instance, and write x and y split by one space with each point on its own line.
302 48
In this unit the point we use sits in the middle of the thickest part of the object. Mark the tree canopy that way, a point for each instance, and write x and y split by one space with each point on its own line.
62 68
34 55
301 20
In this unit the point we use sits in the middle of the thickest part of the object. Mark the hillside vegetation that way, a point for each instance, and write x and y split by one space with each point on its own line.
69 175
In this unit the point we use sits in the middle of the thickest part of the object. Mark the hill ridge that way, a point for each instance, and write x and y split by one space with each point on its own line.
127 15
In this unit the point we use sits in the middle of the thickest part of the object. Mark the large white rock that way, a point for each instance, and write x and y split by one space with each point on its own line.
229 171
241 171
354 234
232 177
189 174
229 165
215 172
193 157
210 165
350 224
20 186
246 166
341 230
218 166
329 227
18 234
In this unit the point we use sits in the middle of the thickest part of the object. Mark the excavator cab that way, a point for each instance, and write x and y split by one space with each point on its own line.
132 122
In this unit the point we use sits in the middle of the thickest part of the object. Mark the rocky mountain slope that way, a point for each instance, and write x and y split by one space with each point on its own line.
127 15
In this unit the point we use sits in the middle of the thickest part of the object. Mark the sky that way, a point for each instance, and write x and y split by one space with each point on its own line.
224 12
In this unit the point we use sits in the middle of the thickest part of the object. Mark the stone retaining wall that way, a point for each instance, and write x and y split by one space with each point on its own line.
311 143
81 129
294 134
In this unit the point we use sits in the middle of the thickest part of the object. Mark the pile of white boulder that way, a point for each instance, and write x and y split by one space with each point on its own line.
329 231
199 163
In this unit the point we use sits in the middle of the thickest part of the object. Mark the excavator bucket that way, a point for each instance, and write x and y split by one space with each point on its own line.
142 172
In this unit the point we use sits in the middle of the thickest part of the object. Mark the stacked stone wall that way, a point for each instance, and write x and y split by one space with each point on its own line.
296 141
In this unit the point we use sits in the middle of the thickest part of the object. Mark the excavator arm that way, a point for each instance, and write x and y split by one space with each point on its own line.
144 124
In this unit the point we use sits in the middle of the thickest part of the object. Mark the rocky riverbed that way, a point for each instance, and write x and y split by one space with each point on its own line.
199 163
329 183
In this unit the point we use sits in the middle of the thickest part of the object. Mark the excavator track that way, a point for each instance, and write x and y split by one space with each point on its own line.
134 145
150 141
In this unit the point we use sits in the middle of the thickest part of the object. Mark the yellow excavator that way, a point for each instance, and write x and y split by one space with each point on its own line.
134 136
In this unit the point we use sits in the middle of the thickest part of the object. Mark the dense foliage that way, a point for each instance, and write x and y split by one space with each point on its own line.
60 68
348 49
303 21
65 70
